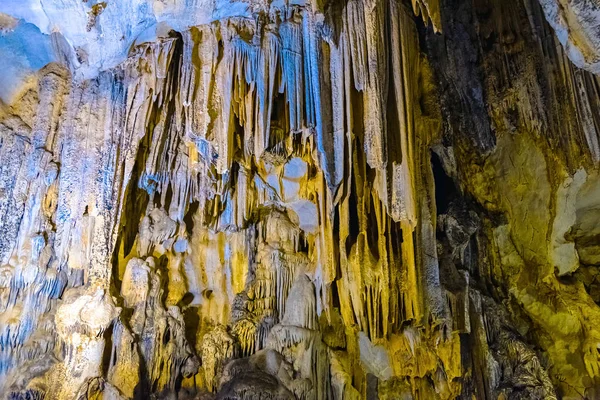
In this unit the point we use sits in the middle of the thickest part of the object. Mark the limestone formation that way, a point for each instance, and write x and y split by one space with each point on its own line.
244 199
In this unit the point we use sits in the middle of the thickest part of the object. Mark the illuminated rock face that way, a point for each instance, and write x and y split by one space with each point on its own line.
362 199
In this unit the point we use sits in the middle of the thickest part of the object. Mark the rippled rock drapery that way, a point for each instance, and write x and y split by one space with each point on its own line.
361 199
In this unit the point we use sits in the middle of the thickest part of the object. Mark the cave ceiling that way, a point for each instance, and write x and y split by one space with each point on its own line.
304 199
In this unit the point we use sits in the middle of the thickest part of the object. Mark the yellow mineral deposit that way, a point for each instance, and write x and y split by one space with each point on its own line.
290 199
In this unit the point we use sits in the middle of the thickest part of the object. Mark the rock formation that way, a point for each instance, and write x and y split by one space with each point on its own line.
353 199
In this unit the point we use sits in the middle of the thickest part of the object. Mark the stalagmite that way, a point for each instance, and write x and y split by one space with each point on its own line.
300 199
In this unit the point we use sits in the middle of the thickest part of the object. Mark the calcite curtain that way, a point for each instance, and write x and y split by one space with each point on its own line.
352 199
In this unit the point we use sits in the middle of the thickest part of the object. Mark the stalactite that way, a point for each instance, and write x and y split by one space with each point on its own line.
321 200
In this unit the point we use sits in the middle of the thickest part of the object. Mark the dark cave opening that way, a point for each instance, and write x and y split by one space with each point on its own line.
445 190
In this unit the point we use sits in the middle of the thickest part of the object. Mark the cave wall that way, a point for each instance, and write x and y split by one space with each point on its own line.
357 199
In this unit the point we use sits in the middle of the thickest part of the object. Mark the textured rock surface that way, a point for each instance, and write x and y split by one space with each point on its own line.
347 200
577 25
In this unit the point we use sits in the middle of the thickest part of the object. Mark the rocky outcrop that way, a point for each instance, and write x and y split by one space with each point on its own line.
365 199
576 24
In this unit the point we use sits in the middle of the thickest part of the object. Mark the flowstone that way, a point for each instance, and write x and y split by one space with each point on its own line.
300 200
